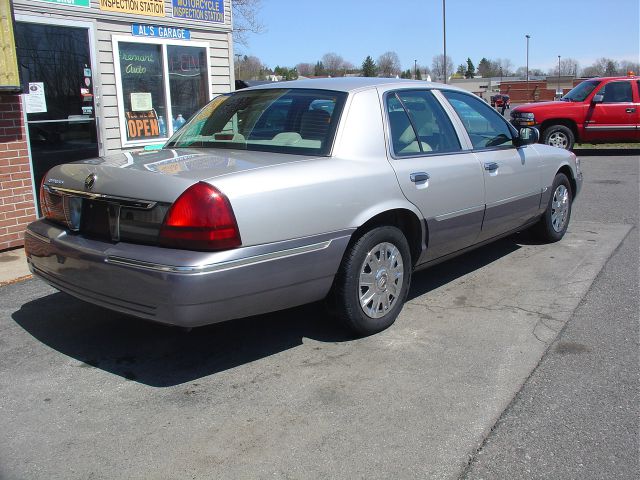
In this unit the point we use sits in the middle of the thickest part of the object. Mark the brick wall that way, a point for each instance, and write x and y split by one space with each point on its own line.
17 206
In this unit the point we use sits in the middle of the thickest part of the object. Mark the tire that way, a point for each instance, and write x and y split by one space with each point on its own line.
555 220
366 296
559 136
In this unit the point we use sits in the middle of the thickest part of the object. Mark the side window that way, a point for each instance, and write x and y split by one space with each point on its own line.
419 124
616 92
485 126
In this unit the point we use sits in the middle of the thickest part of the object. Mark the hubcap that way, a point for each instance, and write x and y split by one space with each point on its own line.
381 278
558 139
559 208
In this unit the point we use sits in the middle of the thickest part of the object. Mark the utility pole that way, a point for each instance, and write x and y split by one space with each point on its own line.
415 69
528 37
558 91
444 37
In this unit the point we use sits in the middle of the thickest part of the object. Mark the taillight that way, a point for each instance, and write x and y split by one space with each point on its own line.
200 219
51 205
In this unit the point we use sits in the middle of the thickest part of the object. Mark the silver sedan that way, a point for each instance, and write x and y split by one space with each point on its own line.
294 192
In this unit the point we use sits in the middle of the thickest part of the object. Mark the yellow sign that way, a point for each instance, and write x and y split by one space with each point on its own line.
153 8
9 79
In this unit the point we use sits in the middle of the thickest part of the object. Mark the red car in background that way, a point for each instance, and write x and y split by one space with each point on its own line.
497 101
598 110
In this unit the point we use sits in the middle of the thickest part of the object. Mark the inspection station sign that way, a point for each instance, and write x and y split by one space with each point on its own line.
203 10
154 8
159 31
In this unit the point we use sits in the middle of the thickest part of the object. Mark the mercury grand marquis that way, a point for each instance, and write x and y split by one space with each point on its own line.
294 192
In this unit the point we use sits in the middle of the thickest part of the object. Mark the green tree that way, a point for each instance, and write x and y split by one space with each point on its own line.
461 70
369 68
484 68
418 74
319 70
471 69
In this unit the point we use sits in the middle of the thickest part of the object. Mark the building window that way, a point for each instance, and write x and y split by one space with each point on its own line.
160 84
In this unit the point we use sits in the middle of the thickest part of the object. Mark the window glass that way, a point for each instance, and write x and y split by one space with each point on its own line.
485 127
187 68
616 92
143 90
434 129
279 120
404 140
581 91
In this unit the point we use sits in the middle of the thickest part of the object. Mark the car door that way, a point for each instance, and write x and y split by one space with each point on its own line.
511 174
434 173
615 117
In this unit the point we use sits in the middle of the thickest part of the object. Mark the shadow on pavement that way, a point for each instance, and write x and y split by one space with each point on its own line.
606 152
161 356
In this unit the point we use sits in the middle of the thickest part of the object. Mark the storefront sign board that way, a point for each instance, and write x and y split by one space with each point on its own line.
159 31
153 8
73 3
201 10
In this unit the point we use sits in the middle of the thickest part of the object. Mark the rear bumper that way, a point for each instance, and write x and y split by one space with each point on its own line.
180 287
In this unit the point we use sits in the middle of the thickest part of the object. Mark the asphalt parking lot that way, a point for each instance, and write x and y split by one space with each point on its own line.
475 379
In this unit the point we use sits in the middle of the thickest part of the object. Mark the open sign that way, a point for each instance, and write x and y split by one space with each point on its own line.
142 125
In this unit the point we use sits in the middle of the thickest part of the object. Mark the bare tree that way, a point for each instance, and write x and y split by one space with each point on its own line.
250 68
598 68
627 66
245 20
506 65
438 66
305 69
568 66
333 64
389 64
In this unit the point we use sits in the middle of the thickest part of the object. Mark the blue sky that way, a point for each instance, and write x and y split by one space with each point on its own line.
302 31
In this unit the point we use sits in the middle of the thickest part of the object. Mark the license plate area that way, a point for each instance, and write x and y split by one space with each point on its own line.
100 219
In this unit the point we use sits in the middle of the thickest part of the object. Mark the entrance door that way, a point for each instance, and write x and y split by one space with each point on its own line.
55 70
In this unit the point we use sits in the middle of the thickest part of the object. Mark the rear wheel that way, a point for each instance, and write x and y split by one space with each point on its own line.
559 136
373 281
553 224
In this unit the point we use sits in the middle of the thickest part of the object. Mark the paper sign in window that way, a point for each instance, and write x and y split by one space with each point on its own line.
141 102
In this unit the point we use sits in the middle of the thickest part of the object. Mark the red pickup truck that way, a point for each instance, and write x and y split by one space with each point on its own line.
598 110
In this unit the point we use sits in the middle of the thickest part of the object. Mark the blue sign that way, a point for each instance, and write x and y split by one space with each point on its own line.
160 32
202 10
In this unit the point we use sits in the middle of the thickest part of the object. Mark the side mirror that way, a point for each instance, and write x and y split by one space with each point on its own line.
597 99
527 136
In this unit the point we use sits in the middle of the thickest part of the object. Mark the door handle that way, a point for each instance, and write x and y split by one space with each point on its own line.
630 110
490 166
419 177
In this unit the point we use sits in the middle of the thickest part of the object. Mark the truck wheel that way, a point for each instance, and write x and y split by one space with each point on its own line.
559 136
373 281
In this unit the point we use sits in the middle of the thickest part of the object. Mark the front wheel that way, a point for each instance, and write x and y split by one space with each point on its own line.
373 280
559 136
555 220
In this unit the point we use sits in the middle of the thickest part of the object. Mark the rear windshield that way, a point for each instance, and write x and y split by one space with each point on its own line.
295 121
581 91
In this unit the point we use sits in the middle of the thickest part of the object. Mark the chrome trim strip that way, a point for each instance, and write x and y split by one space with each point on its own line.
514 198
217 267
610 127
464 211
37 236
125 201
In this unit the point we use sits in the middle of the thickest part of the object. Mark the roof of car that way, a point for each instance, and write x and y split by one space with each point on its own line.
349 84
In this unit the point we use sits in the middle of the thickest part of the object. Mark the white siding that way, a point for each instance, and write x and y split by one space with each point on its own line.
108 24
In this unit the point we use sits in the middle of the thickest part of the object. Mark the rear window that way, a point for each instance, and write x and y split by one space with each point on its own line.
294 121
